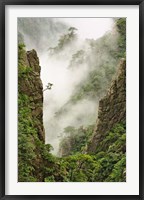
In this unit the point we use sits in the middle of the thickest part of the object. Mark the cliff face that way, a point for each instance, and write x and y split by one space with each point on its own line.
112 108
33 88
31 132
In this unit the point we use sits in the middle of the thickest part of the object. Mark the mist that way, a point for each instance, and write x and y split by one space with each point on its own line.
90 28
67 72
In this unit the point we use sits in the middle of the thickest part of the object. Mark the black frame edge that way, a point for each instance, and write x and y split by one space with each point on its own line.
141 100
2 100
72 2
72 197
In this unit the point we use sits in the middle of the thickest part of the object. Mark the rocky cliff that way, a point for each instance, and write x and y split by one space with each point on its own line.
112 108
33 88
31 134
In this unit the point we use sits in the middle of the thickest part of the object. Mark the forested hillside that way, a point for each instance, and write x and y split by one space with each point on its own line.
89 127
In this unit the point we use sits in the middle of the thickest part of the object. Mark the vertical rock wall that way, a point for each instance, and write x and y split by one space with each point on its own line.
32 86
112 108
31 134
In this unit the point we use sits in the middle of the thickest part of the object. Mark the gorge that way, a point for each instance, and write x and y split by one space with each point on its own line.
84 150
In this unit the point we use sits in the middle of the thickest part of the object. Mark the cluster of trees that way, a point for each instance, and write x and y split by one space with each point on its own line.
77 58
64 41
107 164
121 27
75 140
95 85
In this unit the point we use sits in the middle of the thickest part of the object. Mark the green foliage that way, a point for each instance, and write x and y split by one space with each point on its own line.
95 85
20 38
21 51
115 140
26 146
31 150
107 164
23 70
64 41
75 168
77 59
121 26
111 154
75 140
118 173
81 168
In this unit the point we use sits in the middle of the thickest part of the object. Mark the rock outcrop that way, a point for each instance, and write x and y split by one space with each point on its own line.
31 134
32 87
112 108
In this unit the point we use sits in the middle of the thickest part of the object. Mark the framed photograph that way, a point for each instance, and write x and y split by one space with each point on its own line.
71 110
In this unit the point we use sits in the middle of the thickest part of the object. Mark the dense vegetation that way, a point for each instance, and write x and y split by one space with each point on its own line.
121 27
75 140
108 162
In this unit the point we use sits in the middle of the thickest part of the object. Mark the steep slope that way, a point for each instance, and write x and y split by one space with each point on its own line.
103 159
32 87
31 134
112 108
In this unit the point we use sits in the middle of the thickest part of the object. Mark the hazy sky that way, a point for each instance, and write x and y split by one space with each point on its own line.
90 27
